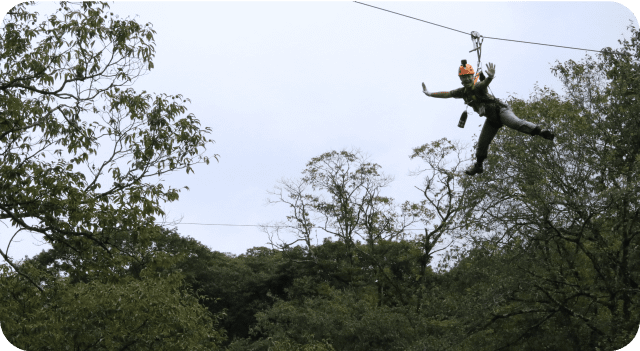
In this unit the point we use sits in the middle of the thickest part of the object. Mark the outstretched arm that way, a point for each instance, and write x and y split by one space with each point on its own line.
491 71
442 94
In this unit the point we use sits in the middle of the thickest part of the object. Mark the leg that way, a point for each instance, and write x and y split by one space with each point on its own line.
486 137
509 119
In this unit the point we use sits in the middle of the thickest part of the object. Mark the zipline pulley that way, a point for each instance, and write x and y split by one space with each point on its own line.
477 39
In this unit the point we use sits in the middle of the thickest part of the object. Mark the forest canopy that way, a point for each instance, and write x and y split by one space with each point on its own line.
538 252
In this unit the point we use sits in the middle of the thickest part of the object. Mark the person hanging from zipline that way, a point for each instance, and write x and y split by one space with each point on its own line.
497 113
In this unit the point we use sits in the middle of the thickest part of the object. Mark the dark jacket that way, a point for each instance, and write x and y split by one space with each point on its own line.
482 102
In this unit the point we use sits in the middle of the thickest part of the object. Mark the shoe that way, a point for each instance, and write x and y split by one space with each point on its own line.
547 134
474 169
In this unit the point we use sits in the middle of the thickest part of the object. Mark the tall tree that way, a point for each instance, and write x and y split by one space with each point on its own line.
568 214
341 193
149 313
80 149
444 212
81 153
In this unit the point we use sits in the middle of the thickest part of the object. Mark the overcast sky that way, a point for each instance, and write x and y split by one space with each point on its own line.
282 82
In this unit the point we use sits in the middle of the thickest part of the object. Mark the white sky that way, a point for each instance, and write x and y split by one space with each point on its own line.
282 82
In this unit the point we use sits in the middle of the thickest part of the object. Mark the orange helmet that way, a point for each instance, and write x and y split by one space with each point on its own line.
465 69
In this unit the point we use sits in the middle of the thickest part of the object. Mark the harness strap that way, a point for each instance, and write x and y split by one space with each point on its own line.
477 40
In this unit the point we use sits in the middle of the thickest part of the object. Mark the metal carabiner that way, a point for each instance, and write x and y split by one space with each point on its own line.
477 40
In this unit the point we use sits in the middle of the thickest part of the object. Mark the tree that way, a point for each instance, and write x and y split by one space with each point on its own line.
328 300
140 314
237 287
232 288
373 288
341 193
444 211
79 146
345 320
81 156
566 216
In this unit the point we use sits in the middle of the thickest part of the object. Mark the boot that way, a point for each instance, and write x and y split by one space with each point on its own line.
475 169
547 134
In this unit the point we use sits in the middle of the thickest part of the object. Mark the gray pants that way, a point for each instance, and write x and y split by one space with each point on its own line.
489 131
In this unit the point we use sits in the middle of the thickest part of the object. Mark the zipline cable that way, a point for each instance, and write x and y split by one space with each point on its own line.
518 41
258 225
417 19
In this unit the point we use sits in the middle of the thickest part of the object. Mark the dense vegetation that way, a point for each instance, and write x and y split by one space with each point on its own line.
539 252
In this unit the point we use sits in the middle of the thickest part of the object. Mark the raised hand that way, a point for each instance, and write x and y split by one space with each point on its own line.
491 69
424 90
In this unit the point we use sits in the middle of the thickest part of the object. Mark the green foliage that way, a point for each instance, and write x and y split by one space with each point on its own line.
238 286
341 192
329 299
544 244
564 217
80 156
350 322
539 252
64 92
145 314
